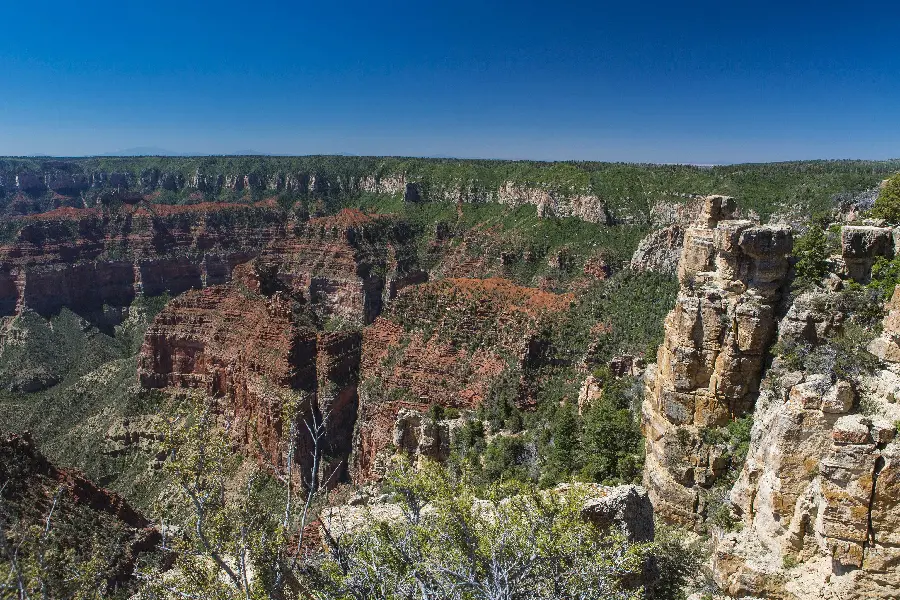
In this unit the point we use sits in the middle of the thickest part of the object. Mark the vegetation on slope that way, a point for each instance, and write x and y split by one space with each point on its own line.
629 190
95 388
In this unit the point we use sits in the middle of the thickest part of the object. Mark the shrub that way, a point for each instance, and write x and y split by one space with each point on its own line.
521 545
887 205
506 458
811 251
885 276
612 442
436 412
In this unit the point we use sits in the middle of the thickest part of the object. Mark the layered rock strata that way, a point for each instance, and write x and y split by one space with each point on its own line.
709 366
818 494
345 265
447 343
252 348
85 259
74 184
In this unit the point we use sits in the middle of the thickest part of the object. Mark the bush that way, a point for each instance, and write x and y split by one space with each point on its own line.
885 276
613 446
506 458
887 205
811 251
521 545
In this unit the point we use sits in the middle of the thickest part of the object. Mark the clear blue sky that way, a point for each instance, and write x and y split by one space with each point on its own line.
704 82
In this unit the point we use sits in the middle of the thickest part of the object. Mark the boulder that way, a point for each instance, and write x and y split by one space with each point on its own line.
626 507
861 246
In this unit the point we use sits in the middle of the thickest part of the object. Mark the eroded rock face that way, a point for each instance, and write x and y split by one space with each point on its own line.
254 348
817 495
887 345
660 251
83 259
818 491
447 343
861 246
710 364
347 265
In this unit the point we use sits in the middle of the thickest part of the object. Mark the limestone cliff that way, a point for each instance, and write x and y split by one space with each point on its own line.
816 500
73 183
709 366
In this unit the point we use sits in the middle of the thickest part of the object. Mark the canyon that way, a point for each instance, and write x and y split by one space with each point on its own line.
276 319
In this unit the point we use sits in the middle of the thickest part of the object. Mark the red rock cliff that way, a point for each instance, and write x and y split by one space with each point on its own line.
83 259
254 348
446 342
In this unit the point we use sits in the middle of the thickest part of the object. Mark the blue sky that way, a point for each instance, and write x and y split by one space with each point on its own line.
703 82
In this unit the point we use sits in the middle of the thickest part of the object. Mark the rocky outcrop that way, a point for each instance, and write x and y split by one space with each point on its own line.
710 364
861 246
623 508
250 346
660 251
447 343
817 497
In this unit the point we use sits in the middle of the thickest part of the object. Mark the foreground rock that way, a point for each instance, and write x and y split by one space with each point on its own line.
625 508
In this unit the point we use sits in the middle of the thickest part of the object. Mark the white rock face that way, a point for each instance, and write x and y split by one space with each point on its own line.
818 494
710 363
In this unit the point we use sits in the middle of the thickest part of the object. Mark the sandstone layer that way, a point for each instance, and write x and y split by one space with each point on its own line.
252 348
818 494
715 341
